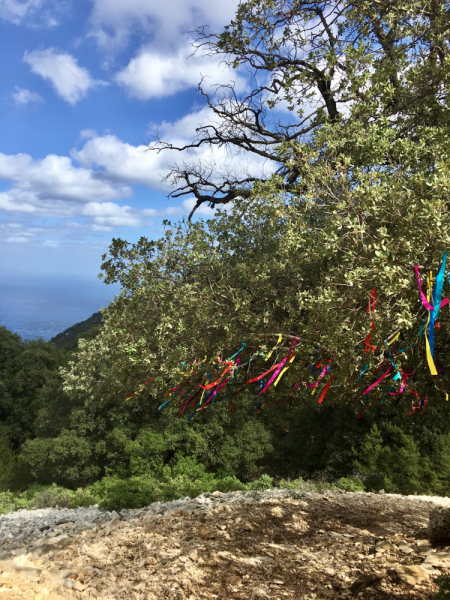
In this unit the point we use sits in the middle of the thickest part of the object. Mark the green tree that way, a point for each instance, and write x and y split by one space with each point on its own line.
299 255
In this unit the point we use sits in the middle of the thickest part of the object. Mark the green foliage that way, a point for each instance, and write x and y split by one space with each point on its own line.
88 329
370 199
7 459
263 483
443 581
395 461
349 484
134 492
52 496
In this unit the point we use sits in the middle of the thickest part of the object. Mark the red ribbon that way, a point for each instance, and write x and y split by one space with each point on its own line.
325 390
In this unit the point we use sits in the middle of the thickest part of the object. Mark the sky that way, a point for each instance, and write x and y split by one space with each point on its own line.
84 84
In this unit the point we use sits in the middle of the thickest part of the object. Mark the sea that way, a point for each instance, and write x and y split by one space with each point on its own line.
40 307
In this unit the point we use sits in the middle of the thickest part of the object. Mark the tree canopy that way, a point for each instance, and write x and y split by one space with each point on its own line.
311 64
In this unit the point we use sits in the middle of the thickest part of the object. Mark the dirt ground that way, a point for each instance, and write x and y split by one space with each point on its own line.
314 548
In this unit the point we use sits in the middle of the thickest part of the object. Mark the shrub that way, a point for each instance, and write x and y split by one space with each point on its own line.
349 484
7 503
263 483
135 492
52 496
443 581
83 497
230 483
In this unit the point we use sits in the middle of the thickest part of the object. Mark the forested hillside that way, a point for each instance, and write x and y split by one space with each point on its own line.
290 335
68 339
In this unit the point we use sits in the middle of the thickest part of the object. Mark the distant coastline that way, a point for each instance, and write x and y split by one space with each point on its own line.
47 306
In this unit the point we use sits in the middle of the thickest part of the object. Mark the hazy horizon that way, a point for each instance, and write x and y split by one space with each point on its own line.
43 306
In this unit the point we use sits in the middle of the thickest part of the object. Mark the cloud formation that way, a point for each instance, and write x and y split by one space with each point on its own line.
24 97
52 186
152 74
87 189
113 21
70 81
31 12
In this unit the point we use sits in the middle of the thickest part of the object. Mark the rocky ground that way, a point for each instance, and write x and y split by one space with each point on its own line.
278 544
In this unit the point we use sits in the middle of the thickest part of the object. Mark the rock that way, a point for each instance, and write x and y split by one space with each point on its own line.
246 526
423 544
383 546
216 494
439 526
381 492
235 580
193 555
111 524
283 547
259 593
405 548
206 534
365 581
438 559
411 574
258 560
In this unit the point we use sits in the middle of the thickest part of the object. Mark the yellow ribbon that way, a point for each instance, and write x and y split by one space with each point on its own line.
430 360
394 338
283 371
274 348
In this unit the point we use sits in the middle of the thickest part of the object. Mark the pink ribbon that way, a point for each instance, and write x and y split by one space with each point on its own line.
313 385
280 366
374 385
405 377
215 392
425 302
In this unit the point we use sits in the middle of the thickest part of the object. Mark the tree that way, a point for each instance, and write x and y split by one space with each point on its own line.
323 62
370 201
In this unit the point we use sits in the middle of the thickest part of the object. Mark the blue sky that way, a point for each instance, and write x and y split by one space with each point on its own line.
82 84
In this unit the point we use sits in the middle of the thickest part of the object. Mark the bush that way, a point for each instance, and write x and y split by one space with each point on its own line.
349 484
443 581
83 497
53 496
10 502
263 483
7 503
135 492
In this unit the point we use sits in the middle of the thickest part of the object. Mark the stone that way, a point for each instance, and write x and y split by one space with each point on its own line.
193 555
439 526
365 581
216 494
412 574
235 580
206 534
381 492
438 559
259 593
383 546
405 548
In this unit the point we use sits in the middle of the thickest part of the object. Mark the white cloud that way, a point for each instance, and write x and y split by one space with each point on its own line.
17 239
31 12
122 162
89 184
70 81
51 244
52 186
152 74
24 97
113 21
